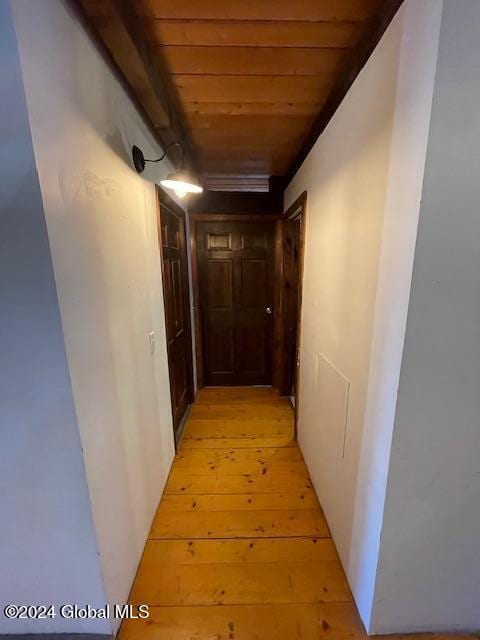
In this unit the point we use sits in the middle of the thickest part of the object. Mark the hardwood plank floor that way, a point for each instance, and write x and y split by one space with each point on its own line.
239 548
319 621
239 524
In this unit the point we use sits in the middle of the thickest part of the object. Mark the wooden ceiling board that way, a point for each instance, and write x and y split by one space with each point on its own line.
251 108
217 161
236 165
304 10
238 33
252 61
245 88
243 136
218 146
252 75
241 155
246 83
258 124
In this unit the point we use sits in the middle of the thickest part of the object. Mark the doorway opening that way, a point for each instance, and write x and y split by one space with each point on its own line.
247 276
292 234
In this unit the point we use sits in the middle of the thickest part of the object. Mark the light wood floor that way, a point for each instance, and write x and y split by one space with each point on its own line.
239 548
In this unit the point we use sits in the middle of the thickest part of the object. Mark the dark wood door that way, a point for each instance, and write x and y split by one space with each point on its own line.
235 273
291 274
177 306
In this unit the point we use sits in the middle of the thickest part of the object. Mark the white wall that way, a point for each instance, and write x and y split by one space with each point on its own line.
429 568
101 220
363 178
48 552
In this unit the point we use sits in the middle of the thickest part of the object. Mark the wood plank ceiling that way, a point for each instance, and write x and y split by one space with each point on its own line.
243 82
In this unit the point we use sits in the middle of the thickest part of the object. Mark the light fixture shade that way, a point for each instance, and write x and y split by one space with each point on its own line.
181 182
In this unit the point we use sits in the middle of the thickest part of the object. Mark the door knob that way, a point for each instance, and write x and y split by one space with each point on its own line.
268 311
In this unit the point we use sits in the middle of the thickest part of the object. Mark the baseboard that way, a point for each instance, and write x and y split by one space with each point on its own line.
181 428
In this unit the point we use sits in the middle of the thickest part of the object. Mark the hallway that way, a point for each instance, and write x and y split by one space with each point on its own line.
239 548
269 201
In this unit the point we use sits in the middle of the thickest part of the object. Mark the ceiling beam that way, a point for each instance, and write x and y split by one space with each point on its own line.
353 64
90 27
159 77
119 35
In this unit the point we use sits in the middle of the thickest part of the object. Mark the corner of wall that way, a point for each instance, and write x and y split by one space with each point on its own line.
45 502
428 577
415 85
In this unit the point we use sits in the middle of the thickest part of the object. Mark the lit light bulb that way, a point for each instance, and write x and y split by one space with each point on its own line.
181 184
180 193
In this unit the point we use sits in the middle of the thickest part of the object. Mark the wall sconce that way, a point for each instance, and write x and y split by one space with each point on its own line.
180 181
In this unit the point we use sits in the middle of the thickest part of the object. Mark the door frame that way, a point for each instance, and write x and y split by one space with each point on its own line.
163 199
194 218
297 211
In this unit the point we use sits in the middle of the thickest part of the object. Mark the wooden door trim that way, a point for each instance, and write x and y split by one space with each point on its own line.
215 217
162 198
296 211
196 301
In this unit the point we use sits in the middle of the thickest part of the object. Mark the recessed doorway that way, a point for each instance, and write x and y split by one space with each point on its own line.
293 240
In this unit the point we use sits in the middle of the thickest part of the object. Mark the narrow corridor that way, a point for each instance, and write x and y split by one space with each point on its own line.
239 548
267 200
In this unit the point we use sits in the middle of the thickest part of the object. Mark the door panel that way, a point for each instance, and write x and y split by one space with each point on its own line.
177 307
252 350
220 241
254 283
220 349
235 274
254 240
220 284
